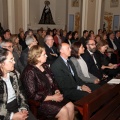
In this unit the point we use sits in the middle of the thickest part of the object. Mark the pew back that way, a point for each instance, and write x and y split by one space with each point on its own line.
102 104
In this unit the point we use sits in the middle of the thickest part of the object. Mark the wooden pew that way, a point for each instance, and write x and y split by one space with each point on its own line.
102 104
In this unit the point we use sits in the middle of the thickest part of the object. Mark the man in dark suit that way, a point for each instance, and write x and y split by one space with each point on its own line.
92 60
51 50
84 38
72 87
30 41
117 40
113 45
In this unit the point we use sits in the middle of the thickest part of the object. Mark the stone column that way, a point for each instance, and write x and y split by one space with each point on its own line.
25 12
11 16
84 15
97 15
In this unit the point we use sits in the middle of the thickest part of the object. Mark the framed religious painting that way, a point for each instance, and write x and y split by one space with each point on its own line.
114 3
75 3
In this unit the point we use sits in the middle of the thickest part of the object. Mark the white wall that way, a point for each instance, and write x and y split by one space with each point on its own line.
18 15
1 11
91 15
34 11
73 10
113 10
4 13
60 12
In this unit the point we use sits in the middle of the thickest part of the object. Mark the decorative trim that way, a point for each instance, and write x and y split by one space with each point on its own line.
92 0
108 13
75 3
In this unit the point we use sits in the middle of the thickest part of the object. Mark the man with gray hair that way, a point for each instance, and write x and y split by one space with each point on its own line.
51 50
9 45
30 41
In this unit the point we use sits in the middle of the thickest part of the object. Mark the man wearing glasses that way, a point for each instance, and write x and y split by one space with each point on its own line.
9 45
92 60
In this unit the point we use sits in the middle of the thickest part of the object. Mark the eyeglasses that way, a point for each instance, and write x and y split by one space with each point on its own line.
11 60
92 44
8 47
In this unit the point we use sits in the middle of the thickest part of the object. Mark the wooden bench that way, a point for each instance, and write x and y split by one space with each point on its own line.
102 104
34 105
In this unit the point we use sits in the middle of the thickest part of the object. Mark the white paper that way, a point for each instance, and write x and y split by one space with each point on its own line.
114 81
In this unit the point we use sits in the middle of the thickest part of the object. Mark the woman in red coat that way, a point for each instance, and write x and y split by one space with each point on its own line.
40 85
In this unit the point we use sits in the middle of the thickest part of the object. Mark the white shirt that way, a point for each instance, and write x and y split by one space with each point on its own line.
11 92
114 46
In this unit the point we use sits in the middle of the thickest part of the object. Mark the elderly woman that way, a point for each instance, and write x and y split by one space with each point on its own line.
82 70
12 100
40 85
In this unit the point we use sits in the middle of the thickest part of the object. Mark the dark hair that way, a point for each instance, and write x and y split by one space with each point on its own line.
84 31
3 54
117 31
48 32
91 31
6 31
73 34
69 33
110 33
75 48
99 30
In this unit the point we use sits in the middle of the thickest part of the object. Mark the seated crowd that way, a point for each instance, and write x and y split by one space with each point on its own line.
54 68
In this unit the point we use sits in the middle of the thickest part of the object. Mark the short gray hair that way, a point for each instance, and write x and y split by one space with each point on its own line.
29 40
3 43
46 38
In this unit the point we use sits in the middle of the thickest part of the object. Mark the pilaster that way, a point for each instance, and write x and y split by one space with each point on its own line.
11 16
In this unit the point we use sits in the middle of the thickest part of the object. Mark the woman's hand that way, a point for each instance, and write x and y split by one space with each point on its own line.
96 81
20 116
111 67
103 67
57 97
24 111
115 66
57 91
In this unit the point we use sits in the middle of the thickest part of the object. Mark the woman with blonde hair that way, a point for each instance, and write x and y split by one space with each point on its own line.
40 85
16 46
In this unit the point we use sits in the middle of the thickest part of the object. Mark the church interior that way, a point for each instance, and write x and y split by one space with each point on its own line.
66 54
70 15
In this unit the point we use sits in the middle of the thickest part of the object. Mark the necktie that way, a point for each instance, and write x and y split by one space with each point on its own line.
68 65
69 68
94 60
52 50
